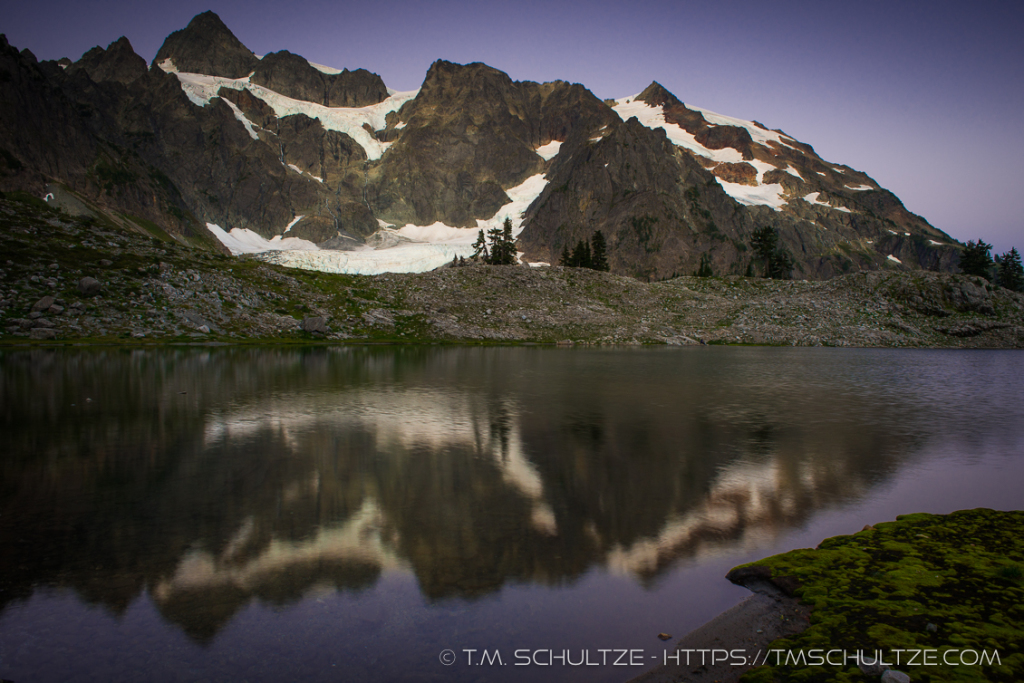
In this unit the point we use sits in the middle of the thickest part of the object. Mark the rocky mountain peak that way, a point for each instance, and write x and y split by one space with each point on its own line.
207 46
657 96
117 63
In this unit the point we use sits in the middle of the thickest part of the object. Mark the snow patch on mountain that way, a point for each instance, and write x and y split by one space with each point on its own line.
760 195
859 188
549 151
292 224
812 198
250 127
419 247
654 117
201 88
759 135
324 69
245 241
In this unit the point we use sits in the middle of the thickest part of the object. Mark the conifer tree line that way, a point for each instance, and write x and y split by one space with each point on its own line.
1005 269
592 254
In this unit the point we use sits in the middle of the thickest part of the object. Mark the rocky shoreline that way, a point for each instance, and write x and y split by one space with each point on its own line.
70 279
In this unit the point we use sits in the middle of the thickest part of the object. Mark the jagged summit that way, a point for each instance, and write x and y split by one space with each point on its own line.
117 63
207 46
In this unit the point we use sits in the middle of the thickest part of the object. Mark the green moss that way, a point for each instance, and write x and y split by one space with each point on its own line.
881 588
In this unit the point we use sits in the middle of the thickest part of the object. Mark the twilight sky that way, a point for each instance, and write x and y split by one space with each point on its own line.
925 97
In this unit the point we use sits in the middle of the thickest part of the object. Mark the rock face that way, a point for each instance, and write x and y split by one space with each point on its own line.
293 76
207 46
454 163
129 143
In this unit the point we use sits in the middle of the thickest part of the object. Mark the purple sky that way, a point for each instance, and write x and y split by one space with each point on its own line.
925 97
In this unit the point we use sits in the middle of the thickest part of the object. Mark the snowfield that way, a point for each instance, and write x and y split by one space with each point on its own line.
420 247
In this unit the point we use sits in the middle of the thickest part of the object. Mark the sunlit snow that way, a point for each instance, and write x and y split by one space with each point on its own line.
893 258
292 224
859 188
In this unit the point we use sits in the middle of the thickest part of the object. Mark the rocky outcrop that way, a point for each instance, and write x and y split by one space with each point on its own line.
291 75
207 46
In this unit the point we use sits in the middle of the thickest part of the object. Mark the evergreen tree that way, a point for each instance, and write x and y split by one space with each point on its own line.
480 247
599 252
781 265
764 242
778 262
975 259
503 246
1011 272
566 259
581 256
704 270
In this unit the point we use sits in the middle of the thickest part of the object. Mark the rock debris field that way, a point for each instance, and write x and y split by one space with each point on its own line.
65 279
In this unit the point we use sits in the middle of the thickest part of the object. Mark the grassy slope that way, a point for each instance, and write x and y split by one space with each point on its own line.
882 587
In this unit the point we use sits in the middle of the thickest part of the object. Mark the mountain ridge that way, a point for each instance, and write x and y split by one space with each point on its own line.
275 144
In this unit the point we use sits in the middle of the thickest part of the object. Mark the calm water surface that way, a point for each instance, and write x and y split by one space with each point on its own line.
348 514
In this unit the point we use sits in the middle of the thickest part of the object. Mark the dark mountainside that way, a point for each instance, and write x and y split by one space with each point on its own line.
127 140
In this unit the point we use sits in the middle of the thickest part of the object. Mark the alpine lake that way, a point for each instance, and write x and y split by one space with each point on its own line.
352 513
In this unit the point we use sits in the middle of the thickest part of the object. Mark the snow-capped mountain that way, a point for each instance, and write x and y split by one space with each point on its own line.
328 169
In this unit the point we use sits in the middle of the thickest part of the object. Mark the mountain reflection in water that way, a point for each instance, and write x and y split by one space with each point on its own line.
212 478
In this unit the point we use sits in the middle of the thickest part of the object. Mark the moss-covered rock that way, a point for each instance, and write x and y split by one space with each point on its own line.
924 582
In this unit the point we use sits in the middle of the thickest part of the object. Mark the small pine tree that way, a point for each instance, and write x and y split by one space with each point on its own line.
599 252
566 259
480 247
1011 272
975 259
750 269
704 270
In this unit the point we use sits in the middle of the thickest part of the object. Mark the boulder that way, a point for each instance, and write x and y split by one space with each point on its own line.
42 333
316 325
89 286
42 304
